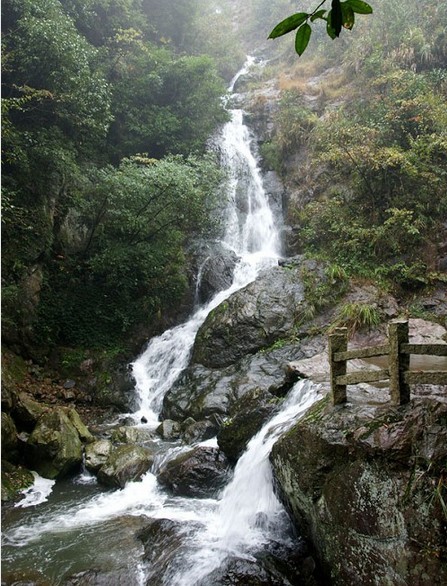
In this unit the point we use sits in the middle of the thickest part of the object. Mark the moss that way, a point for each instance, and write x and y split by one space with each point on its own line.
14 480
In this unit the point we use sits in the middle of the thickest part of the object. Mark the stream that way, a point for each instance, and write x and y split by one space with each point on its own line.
75 526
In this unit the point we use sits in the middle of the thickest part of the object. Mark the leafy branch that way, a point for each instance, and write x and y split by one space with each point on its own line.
341 15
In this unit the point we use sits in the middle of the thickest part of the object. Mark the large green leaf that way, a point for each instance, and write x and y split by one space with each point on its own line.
359 6
289 24
348 15
302 38
336 18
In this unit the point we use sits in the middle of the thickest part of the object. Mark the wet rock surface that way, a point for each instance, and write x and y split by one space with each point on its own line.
251 319
202 392
361 483
201 472
54 448
250 414
125 463
215 269
162 540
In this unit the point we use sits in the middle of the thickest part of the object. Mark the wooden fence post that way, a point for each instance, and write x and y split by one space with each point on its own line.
399 363
338 342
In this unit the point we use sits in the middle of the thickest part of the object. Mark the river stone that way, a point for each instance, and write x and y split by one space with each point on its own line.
199 473
169 429
126 434
54 448
250 414
96 454
244 572
126 463
163 540
360 481
199 431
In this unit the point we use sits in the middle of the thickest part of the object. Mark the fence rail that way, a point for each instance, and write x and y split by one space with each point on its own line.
398 372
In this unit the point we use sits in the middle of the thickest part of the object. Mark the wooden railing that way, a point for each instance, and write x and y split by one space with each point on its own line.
398 372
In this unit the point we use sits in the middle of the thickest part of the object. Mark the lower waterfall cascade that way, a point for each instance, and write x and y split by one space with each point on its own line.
62 529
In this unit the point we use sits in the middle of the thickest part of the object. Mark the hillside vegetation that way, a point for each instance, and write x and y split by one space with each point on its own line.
367 115
107 108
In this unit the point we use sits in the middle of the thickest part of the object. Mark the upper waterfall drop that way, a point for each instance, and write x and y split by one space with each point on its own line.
249 230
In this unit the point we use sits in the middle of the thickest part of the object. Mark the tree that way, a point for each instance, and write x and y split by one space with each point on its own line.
131 262
341 15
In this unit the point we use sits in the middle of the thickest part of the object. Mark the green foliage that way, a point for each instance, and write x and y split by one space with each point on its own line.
341 15
84 85
131 265
357 316
293 122
384 177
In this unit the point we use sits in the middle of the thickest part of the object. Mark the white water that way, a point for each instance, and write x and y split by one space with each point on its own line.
37 493
250 232
248 514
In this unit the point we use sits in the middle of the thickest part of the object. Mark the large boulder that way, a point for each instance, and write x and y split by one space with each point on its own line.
200 472
125 463
252 318
365 486
27 411
54 448
203 392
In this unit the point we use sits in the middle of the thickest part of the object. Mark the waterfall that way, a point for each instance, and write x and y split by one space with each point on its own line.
79 525
250 232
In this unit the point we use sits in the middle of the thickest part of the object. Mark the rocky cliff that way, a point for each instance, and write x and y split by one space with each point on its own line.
366 484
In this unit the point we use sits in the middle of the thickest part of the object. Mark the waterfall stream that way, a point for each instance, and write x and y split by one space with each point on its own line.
81 525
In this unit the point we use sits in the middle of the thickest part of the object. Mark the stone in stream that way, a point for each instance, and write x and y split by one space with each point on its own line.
162 540
125 463
54 448
200 473
198 431
169 430
245 572
96 454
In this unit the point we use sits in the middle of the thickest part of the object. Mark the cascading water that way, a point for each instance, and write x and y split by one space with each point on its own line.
62 535
250 232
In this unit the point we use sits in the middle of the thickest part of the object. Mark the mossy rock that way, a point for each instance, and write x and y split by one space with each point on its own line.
125 463
9 439
250 414
14 480
54 448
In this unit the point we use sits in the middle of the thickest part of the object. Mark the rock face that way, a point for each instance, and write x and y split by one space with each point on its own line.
250 413
251 319
201 392
365 485
215 269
